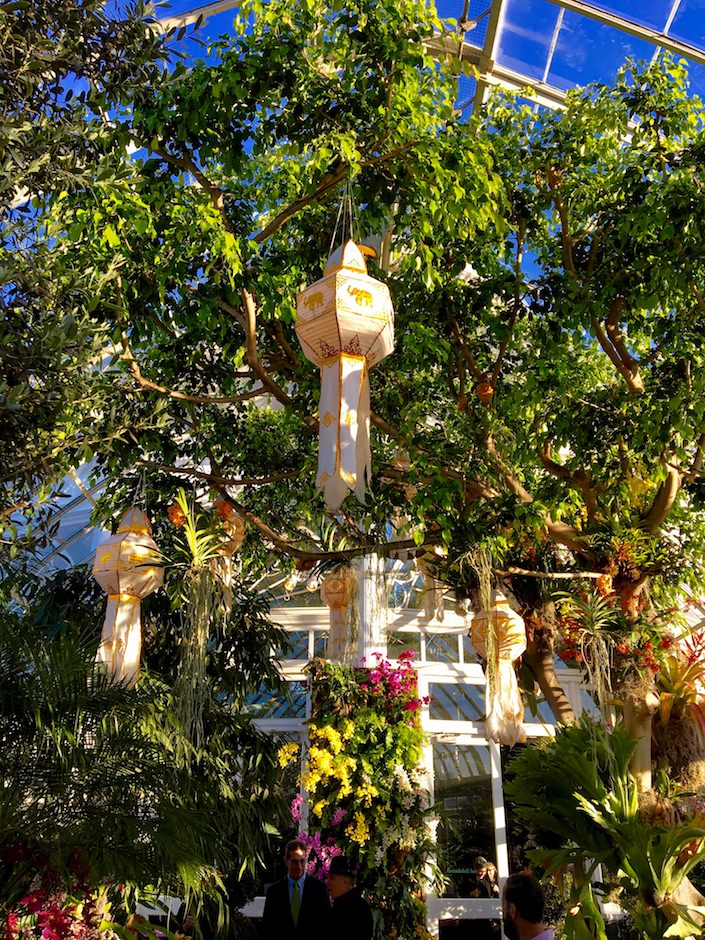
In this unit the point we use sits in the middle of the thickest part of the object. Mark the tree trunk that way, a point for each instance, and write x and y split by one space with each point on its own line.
637 723
539 658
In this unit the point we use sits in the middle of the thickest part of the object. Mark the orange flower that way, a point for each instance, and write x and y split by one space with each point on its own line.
176 514
223 510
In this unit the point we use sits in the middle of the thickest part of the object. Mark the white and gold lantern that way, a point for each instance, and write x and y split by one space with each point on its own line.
233 535
125 566
434 590
505 713
345 323
337 592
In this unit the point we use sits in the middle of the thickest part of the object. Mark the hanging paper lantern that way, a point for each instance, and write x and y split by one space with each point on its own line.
434 590
233 535
505 714
345 323
233 527
125 566
337 591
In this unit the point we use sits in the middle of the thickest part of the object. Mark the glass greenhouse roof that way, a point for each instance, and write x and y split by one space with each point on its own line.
549 45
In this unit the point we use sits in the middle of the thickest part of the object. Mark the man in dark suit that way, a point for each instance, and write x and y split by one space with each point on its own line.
351 917
296 906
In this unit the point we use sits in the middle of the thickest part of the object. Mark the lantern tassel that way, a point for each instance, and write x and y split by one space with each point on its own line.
121 639
344 429
505 721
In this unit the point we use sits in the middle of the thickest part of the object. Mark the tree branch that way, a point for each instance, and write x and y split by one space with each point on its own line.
251 346
467 355
515 306
329 181
632 378
697 464
286 546
664 500
148 385
188 165
218 480
580 479
560 532
512 570
473 488
553 177
616 336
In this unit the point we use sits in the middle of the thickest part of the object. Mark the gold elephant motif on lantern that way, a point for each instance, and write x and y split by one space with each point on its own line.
314 300
363 298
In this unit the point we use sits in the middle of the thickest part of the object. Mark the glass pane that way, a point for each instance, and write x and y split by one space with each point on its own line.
267 704
588 51
442 649
539 714
404 643
526 36
466 832
298 646
320 641
469 651
451 702
689 24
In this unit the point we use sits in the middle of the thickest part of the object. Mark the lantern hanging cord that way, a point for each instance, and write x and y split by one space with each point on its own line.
140 496
345 219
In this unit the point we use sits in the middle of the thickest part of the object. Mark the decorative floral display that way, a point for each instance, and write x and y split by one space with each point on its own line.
54 907
636 645
362 779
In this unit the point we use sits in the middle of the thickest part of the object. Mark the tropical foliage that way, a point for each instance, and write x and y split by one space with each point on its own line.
578 793
66 66
88 782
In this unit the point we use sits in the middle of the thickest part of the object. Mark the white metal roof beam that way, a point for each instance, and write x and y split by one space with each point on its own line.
494 30
666 28
634 29
190 16
548 96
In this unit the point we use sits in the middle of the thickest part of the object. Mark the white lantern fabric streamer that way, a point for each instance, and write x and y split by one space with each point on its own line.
345 323
505 714
125 567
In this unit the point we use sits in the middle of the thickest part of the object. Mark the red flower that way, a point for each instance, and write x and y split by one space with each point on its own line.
11 929
33 901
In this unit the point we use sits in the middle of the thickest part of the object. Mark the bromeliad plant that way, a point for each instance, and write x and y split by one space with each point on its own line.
578 793
362 780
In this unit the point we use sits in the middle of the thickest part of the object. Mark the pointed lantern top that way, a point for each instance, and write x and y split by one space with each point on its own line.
346 257
134 520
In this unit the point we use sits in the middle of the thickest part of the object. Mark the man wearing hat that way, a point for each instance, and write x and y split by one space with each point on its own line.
296 906
351 917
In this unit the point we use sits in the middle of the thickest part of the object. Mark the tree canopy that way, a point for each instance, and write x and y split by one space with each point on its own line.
552 256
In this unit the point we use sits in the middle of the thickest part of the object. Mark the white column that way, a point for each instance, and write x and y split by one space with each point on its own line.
372 609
